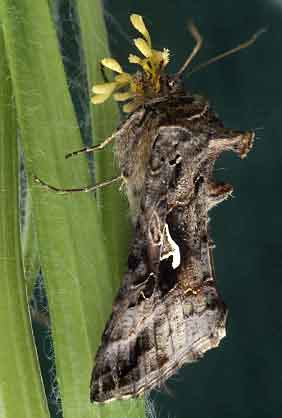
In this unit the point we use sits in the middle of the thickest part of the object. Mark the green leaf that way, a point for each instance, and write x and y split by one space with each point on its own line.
105 120
29 245
70 238
21 391
81 246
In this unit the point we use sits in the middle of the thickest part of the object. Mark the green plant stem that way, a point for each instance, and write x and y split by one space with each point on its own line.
21 390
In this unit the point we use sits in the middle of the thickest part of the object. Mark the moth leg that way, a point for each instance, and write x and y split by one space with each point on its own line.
85 189
228 140
97 147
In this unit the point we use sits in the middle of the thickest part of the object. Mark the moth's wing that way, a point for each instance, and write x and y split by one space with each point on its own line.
164 315
117 370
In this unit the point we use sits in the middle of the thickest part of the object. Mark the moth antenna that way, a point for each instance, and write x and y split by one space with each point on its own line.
225 54
199 41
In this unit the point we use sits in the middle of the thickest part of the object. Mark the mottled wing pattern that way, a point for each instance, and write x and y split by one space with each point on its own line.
163 316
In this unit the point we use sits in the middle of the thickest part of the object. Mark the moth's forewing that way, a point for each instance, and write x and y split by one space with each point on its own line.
168 314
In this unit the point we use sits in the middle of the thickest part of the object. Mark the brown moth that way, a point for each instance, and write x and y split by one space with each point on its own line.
168 311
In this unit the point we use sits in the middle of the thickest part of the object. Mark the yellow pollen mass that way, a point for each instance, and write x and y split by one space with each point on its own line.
135 87
112 64
138 23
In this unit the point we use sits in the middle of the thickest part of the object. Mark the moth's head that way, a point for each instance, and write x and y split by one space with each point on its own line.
172 84
148 82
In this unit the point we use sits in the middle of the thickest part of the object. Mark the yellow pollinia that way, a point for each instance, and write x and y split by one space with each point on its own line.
144 84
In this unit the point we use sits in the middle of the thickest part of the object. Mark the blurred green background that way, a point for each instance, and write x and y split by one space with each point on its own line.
243 378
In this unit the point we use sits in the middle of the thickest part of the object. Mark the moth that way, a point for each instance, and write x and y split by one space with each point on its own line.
168 311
